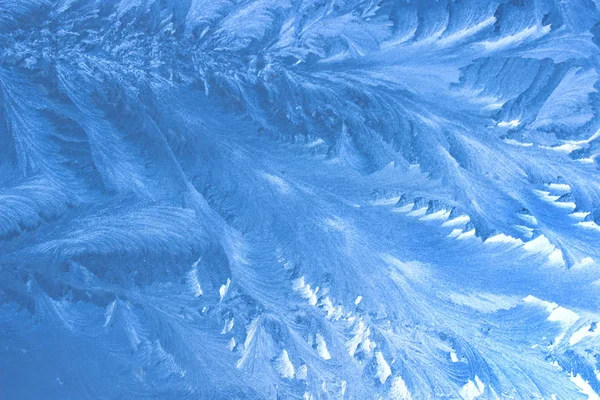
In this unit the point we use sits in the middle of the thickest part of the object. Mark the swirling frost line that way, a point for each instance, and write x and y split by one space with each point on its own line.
299 199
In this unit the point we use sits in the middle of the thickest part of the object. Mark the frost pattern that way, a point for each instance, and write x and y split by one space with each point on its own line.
361 199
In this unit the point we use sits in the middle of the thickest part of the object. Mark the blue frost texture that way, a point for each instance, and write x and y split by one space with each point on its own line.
300 199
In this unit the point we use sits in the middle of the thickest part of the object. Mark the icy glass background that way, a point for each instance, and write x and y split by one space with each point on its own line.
302 199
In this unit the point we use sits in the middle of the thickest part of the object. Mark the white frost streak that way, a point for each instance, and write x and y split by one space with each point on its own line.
509 124
582 333
252 330
110 310
557 313
305 290
302 372
399 390
463 219
193 280
541 245
231 345
361 335
279 183
585 387
224 289
565 317
284 366
383 368
472 390
530 33
322 347
466 33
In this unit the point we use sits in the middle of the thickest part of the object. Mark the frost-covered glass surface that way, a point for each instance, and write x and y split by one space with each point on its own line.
299 199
